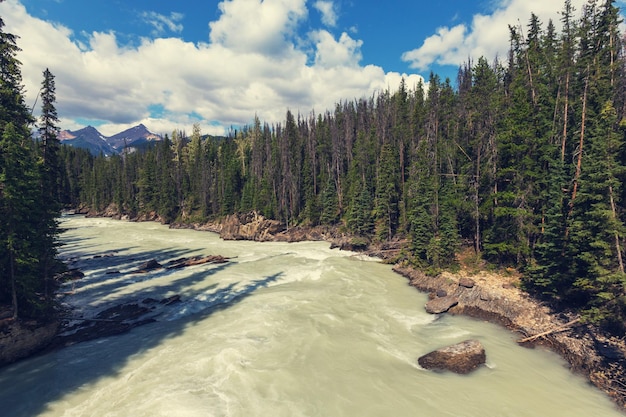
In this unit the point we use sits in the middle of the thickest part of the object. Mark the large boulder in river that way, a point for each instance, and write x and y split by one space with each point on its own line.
441 304
461 358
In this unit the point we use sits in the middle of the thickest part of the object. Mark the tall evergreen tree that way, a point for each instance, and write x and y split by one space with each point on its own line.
25 233
50 181
387 193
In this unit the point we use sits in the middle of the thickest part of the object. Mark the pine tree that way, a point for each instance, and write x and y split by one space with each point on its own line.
27 234
50 182
49 131
19 206
387 193
329 204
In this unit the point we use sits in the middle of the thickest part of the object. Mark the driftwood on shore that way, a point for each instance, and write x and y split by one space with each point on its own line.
564 327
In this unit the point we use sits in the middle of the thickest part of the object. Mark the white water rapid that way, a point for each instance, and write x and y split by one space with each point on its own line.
281 330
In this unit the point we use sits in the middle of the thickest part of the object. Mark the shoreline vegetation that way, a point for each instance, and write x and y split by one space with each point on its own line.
494 296
519 166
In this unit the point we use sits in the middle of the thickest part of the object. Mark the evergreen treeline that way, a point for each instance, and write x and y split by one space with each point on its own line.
30 173
523 161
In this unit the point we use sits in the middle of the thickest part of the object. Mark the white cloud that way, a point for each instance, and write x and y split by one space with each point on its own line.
257 26
327 10
251 66
443 47
487 35
161 23
331 52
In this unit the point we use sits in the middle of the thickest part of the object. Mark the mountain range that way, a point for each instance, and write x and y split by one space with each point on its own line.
89 138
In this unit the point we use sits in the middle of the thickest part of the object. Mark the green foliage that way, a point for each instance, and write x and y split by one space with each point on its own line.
29 193
523 162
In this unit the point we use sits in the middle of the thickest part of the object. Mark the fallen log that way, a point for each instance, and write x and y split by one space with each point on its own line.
557 329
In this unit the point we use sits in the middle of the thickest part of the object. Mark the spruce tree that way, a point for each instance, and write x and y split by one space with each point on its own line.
387 193
19 206
27 232
50 181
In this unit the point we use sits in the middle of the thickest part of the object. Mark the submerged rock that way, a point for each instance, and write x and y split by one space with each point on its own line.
461 358
70 275
148 266
196 260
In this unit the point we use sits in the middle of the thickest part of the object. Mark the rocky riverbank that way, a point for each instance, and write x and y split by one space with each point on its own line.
599 356
496 298
487 296
22 338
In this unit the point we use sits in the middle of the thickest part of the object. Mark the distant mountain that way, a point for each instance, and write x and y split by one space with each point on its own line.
89 138
134 137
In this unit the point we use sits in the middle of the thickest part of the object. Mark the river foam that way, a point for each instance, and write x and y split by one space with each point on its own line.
280 330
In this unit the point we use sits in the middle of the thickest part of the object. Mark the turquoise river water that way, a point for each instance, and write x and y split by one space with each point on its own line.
281 330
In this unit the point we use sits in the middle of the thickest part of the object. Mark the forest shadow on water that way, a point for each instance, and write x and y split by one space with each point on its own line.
37 383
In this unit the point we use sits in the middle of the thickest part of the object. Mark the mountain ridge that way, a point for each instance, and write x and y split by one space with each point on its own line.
91 139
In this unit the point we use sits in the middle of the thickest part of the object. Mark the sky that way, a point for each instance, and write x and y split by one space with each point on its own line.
219 64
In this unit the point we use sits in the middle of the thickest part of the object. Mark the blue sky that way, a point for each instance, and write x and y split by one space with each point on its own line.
171 64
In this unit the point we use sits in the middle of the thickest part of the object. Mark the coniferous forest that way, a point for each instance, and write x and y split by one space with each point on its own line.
30 203
520 161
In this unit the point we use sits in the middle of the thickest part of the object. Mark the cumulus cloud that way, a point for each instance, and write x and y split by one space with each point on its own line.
162 23
331 52
252 65
254 26
327 10
486 35
443 47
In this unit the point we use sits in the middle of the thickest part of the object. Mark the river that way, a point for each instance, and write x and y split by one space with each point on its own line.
283 329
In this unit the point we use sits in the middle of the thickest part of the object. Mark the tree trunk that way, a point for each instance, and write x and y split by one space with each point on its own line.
580 145
618 248
476 205
565 115
13 286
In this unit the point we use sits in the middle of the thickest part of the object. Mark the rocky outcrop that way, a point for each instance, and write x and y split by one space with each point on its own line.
153 265
20 339
254 226
114 320
147 266
599 356
441 304
249 226
466 282
196 260
461 358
